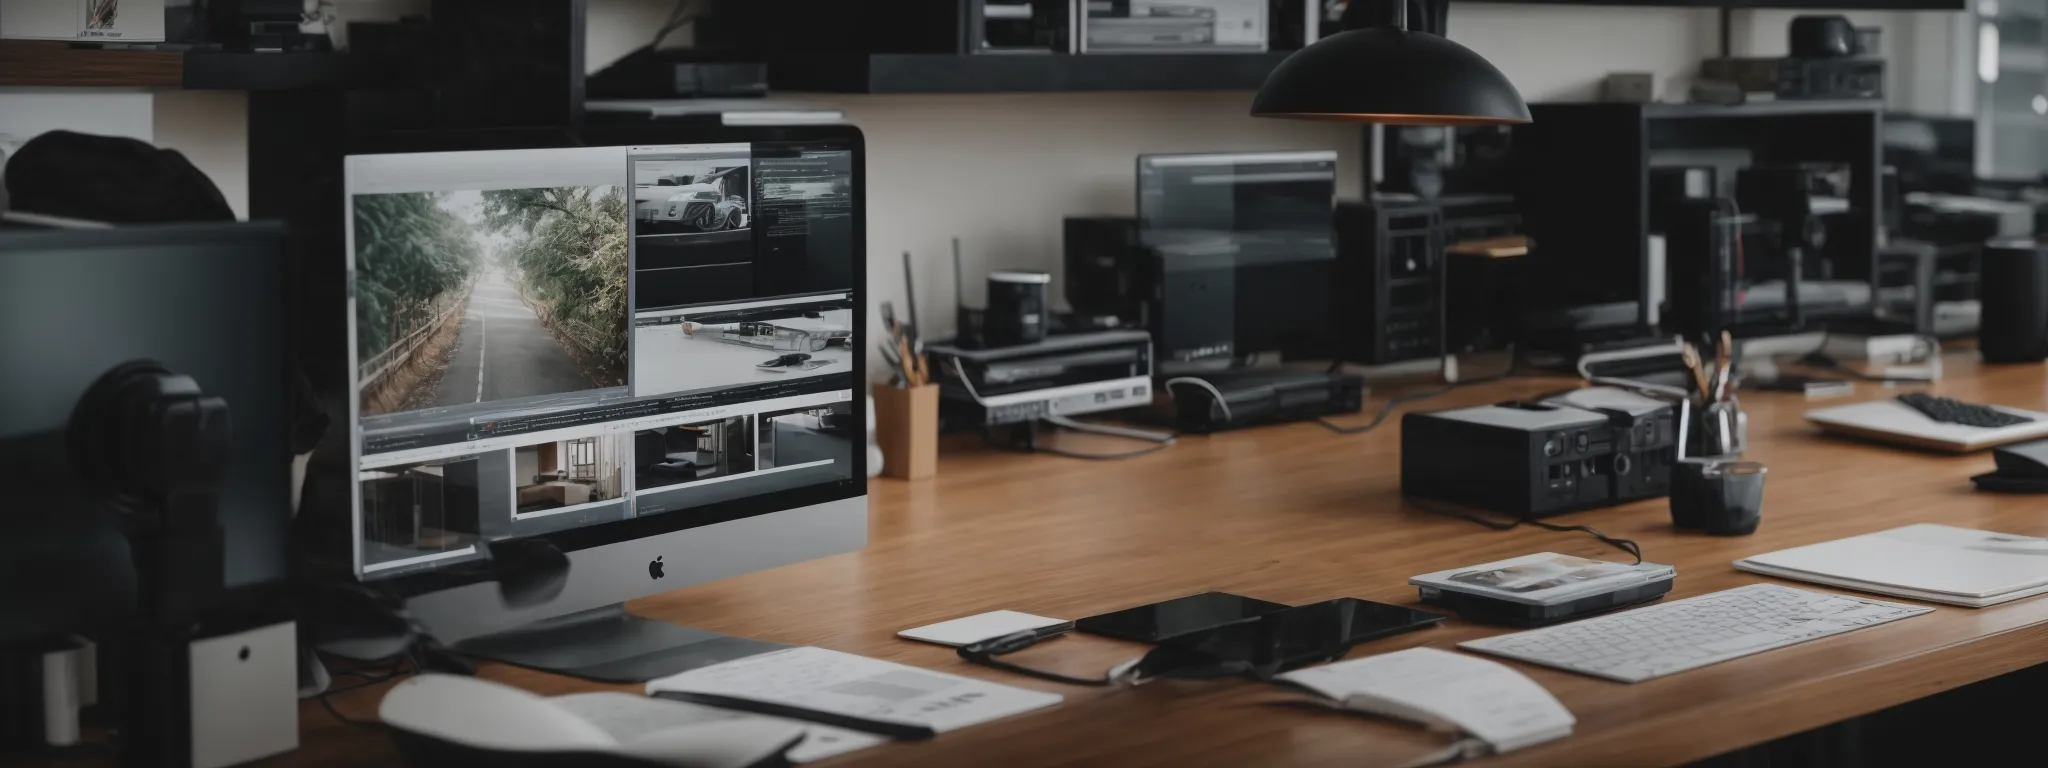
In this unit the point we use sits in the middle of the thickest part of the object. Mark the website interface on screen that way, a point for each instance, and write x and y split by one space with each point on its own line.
550 339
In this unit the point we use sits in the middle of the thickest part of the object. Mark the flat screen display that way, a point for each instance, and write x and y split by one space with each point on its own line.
556 339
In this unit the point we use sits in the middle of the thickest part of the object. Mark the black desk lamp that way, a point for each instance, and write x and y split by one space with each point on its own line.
1382 70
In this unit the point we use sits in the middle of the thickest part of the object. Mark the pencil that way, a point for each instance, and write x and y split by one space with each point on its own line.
1692 363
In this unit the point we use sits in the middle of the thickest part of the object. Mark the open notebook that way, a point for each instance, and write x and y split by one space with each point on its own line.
1936 563
1484 700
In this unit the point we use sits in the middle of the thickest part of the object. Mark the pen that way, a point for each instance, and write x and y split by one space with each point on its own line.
1724 358
894 729
910 294
1691 355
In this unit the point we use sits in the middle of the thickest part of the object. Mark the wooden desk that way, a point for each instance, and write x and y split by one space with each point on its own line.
1298 514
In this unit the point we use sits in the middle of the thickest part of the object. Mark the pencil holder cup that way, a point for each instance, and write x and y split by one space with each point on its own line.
1713 429
1723 497
907 428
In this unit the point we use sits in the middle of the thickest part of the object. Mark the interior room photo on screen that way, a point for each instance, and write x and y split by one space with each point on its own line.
422 508
565 474
688 453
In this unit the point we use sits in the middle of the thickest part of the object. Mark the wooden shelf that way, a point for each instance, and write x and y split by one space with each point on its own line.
58 64
1022 73
30 62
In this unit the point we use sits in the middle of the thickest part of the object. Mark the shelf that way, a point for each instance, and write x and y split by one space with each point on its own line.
59 64
1766 108
31 62
1022 73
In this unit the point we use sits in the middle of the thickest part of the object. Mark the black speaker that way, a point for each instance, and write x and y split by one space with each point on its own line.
2013 286
1104 268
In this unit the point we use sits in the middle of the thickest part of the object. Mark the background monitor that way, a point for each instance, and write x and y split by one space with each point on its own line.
207 301
575 343
1244 247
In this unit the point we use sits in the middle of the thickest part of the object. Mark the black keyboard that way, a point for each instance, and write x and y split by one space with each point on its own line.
1951 411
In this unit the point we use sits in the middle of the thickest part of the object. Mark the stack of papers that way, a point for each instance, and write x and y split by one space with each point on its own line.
1936 563
842 683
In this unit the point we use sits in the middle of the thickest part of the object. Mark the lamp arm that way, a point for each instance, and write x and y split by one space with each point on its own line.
1427 16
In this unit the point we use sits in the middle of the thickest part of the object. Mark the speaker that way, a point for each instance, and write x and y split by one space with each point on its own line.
2013 286
1104 268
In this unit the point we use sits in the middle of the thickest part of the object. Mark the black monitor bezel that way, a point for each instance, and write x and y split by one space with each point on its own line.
618 531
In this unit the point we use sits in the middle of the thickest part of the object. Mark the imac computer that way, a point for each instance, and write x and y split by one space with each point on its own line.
640 345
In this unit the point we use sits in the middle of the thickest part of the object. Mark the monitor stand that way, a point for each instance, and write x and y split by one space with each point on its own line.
612 646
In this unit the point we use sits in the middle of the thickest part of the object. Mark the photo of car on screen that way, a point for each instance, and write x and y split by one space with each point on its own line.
684 197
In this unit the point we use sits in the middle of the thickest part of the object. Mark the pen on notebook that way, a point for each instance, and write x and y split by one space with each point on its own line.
894 729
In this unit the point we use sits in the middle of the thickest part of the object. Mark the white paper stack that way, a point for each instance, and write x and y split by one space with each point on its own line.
1936 563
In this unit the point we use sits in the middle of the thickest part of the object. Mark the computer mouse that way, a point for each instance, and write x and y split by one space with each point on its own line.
2027 460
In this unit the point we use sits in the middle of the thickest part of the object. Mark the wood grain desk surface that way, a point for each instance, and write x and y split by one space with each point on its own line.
1298 514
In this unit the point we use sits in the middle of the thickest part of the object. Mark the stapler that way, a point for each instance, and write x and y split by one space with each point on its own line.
2022 468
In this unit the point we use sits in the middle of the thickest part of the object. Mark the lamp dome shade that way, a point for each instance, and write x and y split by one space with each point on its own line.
1383 74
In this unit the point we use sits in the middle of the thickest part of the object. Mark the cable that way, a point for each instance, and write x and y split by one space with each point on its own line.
1032 446
1385 411
1626 545
1514 364
677 19
1103 456
397 670
329 705
1203 383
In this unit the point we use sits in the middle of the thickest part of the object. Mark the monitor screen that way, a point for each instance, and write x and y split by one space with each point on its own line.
1274 193
1245 248
552 340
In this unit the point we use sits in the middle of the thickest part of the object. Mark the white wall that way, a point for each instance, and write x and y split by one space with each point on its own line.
999 171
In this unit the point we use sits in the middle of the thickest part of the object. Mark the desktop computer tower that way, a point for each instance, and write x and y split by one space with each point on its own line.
1105 268
1387 293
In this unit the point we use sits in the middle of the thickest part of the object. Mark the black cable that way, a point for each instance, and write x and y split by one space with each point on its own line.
1387 409
1626 545
329 705
397 670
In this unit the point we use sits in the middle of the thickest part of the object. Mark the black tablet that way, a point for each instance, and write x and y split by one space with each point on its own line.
1176 617
1286 640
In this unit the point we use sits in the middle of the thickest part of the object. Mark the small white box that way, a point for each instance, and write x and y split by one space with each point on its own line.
110 21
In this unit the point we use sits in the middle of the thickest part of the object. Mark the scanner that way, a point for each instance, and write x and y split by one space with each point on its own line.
2022 468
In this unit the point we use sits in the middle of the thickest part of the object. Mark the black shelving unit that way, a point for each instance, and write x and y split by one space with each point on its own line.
1584 173
56 64
1021 73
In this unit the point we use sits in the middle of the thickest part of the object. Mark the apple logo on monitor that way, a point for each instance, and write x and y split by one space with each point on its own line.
654 569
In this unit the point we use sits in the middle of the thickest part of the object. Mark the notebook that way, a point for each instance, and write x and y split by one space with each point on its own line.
1936 563
842 683
1444 690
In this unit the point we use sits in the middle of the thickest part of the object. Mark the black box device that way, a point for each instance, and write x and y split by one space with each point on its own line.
1589 448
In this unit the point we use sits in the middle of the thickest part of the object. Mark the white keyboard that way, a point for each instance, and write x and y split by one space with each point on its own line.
1637 645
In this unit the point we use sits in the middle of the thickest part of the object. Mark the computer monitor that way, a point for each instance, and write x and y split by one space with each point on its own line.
206 301
1244 251
598 345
